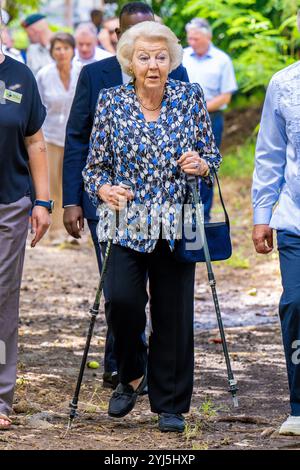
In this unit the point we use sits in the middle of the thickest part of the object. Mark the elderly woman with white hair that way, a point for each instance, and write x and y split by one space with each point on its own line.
152 131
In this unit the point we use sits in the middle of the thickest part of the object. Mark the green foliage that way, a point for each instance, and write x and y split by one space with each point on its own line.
239 162
20 38
173 12
208 409
238 261
18 7
260 35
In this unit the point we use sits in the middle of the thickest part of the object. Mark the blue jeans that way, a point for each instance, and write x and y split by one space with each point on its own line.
207 192
289 311
110 364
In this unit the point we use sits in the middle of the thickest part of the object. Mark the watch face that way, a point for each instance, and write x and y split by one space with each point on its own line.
51 205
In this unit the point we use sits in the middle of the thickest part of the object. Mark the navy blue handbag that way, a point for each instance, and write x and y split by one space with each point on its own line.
217 235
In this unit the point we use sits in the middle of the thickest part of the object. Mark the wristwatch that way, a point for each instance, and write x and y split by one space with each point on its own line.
48 204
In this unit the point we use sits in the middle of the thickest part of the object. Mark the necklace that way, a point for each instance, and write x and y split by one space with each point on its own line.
148 109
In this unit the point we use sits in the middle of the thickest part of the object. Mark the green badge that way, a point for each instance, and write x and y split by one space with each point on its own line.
12 96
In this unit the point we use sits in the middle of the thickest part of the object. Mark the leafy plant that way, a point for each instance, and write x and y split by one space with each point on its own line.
239 162
260 35
192 431
17 7
208 409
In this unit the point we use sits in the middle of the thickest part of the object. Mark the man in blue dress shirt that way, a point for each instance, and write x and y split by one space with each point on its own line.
93 78
276 185
213 70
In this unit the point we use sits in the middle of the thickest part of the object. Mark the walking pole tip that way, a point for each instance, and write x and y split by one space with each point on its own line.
233 390
73 413
235 401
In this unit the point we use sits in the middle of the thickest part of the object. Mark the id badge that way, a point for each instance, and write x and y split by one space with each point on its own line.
12 96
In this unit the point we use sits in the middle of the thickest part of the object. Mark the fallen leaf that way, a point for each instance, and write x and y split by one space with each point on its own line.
252 292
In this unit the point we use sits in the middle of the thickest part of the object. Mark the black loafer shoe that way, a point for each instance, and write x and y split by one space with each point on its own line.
124 398
144 391
168 422
110 380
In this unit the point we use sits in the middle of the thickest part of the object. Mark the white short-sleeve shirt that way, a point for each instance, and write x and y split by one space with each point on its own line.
57 100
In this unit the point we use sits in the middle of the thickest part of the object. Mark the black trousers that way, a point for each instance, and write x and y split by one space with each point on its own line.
171 343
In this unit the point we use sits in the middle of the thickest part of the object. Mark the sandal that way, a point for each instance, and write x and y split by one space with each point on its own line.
4 427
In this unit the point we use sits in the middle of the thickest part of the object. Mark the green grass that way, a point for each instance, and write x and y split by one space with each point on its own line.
192 431
208 409
239 162
238 261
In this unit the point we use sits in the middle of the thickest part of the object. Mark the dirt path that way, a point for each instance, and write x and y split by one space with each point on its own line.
57 291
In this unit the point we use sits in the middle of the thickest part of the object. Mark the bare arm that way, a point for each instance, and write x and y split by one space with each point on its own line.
38 164
216 103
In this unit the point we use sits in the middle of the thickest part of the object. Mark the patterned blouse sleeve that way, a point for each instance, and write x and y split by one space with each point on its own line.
99 167
205 141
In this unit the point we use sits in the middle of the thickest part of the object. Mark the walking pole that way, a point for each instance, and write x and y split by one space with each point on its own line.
94 312
192 182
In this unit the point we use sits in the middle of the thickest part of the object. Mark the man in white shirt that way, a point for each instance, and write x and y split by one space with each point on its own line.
213 70
39 34
87 51
276 206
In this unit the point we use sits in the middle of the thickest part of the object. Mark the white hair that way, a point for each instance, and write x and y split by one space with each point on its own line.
87 28
199 24
150 31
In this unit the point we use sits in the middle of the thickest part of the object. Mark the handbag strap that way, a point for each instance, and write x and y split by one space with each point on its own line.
221 197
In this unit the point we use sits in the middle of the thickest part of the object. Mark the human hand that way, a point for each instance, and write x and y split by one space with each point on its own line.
115 197
262 237
73 220
192 164
40 221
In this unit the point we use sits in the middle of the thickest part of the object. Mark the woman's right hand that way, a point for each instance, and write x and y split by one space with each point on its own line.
115 197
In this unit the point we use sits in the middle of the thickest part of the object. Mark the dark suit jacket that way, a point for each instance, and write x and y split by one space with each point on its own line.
93 78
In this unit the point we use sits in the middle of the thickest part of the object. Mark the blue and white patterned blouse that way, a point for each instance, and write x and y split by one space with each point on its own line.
124 145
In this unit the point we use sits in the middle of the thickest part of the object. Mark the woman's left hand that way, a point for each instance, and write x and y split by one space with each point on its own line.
191 163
